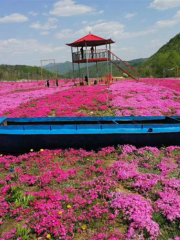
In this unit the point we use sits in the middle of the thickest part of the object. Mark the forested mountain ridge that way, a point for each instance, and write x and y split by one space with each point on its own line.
63 68
102 69
166 58
16 72
158 65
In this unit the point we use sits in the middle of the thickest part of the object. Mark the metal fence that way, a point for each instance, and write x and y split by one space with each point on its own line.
99 54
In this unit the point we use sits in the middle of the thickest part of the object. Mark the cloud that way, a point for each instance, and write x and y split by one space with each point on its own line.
106 29
166 23
50 24
97 12
45 14
84 22
129 15
115 48
154 28
113 29
33 13
15 17
65 33
68 8
15 47
100 12
155 42
44 33
116 30
169 23
165 4
92 22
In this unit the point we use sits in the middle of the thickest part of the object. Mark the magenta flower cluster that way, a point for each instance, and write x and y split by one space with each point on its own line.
76 192
139 99
121 193
138 211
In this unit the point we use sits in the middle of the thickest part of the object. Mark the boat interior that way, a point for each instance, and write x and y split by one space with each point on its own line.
91 121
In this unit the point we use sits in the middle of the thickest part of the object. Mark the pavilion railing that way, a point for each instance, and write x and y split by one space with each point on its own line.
98 54
103 55
123 65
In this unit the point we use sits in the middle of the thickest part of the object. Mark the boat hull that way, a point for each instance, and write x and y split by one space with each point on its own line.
23 143
18 135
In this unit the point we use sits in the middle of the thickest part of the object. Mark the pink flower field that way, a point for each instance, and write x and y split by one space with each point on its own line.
114 193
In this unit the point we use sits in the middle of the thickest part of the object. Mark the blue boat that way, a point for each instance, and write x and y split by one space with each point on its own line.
18 135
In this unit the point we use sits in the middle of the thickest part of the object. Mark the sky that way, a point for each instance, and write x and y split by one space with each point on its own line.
35 30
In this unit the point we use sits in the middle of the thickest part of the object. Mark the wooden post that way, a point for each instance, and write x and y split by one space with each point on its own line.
97 73
177 72
55 68
78 63
107 59
73 64
87 63
111 62
41 71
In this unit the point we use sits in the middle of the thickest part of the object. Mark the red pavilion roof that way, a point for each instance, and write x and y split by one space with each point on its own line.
90 40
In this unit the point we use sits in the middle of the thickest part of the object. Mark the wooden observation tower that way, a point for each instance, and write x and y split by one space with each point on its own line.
87 50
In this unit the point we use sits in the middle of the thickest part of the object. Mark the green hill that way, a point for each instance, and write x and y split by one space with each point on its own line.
102 69
16 72
167 57
63 68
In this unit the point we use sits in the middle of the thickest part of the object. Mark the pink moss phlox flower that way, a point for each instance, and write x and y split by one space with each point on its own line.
124 170
9 235
169 204
71 102
127 149
28 179
105 151
138 211
152 150
167 83
166 166
171 183
110 236
140 99
14 94
4 207
145 181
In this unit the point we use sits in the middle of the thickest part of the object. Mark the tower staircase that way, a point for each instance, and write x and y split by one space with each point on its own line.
123 66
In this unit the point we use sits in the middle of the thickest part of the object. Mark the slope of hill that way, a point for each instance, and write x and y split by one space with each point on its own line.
16 72
137 62
102 69
63 68
167 57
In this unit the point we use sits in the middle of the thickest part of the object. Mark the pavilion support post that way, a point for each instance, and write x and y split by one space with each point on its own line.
79 70
107 59
177 71
55 67
110 59
41 71
87 63
97 73
73 64
163 72
78 63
